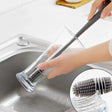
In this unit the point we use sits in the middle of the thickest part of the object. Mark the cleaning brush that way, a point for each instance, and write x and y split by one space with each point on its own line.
38 72
31 76
90 86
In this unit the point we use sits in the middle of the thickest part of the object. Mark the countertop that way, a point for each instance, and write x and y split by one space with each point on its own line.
44 19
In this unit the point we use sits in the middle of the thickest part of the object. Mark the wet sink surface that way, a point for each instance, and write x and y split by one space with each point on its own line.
49 96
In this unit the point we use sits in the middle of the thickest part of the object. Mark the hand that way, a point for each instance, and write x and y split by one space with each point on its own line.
97 5
69 61
62 64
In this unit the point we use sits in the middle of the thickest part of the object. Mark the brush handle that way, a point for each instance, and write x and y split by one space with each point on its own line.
82 30
92 21
60 50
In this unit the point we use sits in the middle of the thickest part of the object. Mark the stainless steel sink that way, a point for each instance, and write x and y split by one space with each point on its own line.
49 96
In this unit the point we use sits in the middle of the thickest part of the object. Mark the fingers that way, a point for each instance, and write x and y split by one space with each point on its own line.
52 50
109 14
107 11
53 73
95 6
48 64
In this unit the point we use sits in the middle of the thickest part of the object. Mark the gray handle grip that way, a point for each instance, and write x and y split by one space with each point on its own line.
92 21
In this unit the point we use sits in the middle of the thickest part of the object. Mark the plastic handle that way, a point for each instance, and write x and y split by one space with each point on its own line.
93 20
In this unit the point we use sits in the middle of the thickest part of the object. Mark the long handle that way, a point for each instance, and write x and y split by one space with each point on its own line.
37 72
82 30
92 21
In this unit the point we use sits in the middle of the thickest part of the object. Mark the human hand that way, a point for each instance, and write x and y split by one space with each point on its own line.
69 61
62 64
97 4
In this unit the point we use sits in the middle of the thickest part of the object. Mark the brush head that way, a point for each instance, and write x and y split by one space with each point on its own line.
29 82
89 87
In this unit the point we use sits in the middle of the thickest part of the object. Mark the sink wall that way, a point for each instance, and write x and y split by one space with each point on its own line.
49 96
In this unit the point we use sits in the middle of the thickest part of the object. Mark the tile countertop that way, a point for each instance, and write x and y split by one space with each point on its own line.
43 19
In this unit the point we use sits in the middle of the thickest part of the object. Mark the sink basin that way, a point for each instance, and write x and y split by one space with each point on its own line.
49 96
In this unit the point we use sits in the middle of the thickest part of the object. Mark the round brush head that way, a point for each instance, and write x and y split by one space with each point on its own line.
89 87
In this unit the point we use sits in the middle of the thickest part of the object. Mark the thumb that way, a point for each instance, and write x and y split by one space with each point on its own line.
47 65
106 11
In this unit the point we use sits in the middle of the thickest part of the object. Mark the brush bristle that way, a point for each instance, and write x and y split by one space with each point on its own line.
89 87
